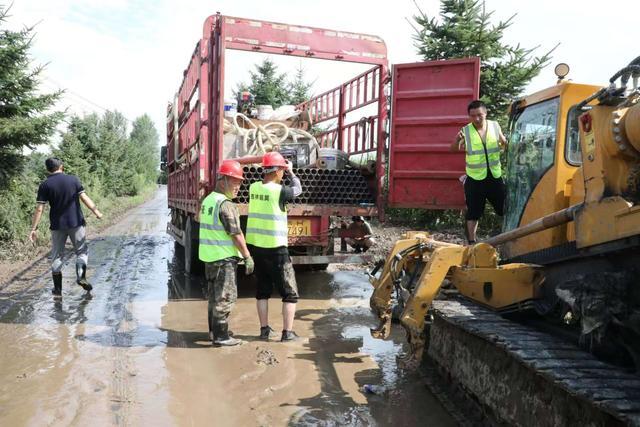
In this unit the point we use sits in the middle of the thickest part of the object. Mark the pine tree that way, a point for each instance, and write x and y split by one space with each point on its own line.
74 157
26 120
464 29
299 88
268 86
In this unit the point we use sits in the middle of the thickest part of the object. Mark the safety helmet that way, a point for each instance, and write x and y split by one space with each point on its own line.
273 159
231 168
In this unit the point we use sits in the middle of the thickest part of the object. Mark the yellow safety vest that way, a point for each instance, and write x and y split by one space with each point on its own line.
475 158
215 243
266 222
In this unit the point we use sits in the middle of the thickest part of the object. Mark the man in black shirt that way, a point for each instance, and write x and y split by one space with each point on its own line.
64 193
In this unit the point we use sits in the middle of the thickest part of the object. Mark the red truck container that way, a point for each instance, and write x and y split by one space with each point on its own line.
419 109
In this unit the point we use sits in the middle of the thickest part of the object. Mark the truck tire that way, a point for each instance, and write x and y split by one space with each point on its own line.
190 246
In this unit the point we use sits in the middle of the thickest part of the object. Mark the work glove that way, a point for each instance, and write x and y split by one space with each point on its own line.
249 265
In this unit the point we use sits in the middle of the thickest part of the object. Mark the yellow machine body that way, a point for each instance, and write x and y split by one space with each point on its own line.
552 153
473 270
573 175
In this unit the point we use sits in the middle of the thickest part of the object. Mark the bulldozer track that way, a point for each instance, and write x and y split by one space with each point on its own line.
519 371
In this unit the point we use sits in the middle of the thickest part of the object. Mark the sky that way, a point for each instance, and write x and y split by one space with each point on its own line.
129 55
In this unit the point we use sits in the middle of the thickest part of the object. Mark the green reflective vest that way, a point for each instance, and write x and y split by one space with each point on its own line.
266 222
476 160
215 243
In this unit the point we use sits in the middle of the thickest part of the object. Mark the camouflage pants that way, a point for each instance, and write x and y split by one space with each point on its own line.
222 289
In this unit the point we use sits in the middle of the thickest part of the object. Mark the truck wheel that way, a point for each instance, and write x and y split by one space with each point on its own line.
190 247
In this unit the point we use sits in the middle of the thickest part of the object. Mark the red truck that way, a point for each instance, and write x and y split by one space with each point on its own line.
419 109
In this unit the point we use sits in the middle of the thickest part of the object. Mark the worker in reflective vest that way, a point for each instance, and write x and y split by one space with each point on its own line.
221 246
267 237
482 141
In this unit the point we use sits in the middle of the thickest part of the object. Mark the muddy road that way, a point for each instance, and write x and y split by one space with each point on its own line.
136 351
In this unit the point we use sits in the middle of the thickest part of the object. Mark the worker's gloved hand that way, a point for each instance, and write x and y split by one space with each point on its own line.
248 265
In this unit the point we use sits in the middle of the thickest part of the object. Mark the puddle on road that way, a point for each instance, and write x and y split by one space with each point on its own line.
137 351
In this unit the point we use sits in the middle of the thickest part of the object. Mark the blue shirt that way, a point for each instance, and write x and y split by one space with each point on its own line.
62 192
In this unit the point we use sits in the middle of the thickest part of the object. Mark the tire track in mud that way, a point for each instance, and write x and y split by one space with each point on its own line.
124 274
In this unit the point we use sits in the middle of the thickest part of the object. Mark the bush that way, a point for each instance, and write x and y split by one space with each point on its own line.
441 220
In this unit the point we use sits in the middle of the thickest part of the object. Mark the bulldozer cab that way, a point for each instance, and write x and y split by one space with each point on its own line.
543 159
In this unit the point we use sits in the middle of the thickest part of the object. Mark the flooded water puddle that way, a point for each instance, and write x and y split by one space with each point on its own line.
136 352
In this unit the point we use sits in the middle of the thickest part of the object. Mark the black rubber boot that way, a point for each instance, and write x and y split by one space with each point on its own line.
265 332
81 277
57 285
221 336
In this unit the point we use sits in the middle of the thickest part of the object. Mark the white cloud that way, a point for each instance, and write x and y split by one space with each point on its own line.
130 55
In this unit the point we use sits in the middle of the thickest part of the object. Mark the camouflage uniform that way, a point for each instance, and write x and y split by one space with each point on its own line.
221 275
222 289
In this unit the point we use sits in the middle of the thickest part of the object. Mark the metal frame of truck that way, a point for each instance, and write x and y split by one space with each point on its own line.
200 109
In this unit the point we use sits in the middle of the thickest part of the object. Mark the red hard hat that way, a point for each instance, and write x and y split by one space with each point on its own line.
273 159
231 168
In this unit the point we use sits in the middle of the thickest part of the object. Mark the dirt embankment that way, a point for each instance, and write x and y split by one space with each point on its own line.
387 234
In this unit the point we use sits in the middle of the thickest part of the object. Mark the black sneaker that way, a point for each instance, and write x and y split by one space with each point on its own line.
289 336
265 332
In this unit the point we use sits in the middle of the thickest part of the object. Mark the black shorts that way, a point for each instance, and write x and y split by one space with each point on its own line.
274 270
476 193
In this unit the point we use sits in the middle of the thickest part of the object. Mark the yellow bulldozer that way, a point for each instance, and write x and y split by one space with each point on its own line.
570 246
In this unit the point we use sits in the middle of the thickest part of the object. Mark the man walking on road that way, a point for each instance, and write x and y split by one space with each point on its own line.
267 236
482 140
63 193
221 246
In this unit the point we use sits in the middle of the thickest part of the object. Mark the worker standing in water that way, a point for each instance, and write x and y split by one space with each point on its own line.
267 236
221 246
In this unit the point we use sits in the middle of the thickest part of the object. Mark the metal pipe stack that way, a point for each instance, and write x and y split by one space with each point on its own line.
322 186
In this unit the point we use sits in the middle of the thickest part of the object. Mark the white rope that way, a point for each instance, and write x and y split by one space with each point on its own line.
260 139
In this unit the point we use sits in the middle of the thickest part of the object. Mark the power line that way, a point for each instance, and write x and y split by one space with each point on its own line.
83 98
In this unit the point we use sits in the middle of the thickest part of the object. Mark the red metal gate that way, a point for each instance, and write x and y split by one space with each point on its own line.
429 106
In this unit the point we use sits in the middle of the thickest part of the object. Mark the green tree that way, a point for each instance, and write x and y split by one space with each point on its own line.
299 87
74 149
267 85
17 201
145 154
464 29
26 119
112 161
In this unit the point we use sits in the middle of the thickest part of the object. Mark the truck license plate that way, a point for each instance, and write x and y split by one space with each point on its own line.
299 227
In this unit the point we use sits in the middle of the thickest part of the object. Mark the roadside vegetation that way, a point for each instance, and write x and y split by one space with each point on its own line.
116 160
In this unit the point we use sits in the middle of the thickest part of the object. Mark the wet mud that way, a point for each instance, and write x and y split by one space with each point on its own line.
136 350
